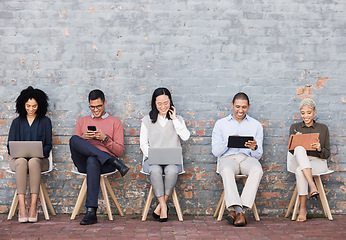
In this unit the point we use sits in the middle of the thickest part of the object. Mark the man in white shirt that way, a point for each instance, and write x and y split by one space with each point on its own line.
233 161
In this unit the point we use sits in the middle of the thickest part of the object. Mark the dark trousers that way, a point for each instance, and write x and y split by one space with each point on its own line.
92 161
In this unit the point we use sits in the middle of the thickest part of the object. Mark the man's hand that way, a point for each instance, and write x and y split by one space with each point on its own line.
88 135
251 144
99 135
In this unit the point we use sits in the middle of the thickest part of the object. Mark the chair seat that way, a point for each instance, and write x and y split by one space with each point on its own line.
105 188
220 209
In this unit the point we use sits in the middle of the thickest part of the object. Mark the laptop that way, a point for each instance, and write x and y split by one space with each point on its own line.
165 156
26 149
238 141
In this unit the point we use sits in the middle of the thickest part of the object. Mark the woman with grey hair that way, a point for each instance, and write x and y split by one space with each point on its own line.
309 162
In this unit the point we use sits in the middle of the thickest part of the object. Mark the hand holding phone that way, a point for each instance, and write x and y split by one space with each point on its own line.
172 112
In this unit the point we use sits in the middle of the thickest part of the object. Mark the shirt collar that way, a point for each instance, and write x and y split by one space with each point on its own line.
230 117
302 124
159 116
103 117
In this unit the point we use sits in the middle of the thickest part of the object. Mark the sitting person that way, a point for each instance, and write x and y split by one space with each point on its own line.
305 163
233 161
95 148
162 128
31 125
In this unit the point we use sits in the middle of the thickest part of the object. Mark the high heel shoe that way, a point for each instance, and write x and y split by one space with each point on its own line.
22 220
164 219
34 219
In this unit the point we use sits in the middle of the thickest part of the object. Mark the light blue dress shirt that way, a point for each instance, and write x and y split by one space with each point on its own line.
229 126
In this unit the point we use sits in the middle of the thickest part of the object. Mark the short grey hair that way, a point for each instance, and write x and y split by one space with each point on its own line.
307 102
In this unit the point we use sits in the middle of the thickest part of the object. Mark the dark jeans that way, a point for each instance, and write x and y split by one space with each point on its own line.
92 161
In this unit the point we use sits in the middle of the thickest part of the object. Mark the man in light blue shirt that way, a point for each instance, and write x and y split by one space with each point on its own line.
233 161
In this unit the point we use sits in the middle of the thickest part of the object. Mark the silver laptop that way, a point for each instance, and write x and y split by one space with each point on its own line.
164 156
26 149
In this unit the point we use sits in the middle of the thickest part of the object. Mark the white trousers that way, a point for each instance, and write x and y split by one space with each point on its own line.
240 164
302 160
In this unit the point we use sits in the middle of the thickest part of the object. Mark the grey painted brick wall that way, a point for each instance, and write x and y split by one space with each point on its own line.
204 51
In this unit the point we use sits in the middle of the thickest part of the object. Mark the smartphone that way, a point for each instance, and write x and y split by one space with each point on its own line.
91 128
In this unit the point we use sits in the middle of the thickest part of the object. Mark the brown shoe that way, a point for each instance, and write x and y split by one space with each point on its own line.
240 220
231 217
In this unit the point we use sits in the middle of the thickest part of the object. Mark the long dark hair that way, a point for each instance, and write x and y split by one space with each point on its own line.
32 93
154 112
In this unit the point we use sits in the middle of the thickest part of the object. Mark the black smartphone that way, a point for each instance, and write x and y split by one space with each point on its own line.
91 128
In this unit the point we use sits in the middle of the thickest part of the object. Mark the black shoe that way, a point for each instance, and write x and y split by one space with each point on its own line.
155 216
120 166
164 219
90 216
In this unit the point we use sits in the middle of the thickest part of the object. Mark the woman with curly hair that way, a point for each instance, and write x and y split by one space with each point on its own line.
30 125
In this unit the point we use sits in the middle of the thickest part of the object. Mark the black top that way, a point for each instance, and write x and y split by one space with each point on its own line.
315 128
40 130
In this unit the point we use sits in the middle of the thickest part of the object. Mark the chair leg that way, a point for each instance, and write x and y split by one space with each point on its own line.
14 206
222 207
296 207
43 203
111 193
323 197
147 203
254 208
219 205
255 212
106 199
293 199
177 205
80 199
48 201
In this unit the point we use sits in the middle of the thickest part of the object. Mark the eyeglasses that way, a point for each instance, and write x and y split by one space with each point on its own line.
98 107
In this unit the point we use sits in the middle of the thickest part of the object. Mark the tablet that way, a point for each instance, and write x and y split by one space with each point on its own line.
304 140
238 141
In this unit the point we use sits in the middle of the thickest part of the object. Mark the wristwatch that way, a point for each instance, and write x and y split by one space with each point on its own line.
106 139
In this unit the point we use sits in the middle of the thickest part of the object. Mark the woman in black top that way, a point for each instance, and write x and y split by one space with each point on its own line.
30 125
305 163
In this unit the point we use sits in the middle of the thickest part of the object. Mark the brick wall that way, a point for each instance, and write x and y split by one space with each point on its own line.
278 52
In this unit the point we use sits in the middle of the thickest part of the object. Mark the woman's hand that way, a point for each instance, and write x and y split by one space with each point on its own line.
172 113
317 145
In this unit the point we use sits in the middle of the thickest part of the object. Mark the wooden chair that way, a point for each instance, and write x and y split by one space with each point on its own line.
43 195
222 203
295 197
148 203
105 186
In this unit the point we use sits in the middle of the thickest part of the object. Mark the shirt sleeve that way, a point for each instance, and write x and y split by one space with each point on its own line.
181 129
47 145
115 143
259 139
12 134
143 140
78 128
325 150
218 143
